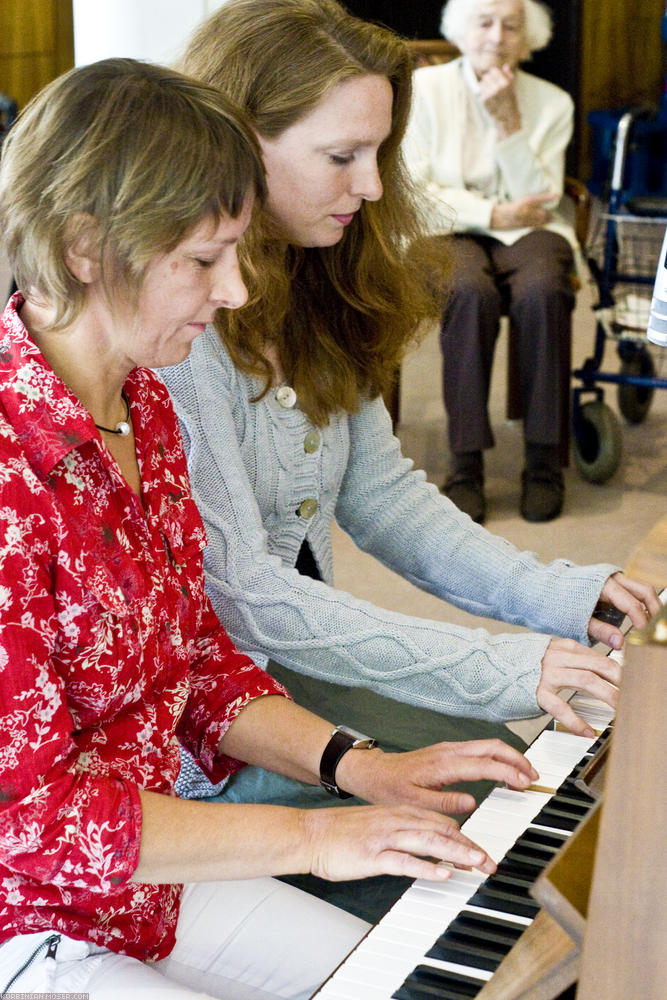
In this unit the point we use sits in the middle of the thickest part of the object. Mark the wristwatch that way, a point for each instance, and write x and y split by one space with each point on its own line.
342 740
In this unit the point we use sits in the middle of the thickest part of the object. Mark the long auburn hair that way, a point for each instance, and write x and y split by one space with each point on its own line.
338 318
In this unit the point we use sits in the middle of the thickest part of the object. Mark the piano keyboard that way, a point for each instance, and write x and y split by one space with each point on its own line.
445 940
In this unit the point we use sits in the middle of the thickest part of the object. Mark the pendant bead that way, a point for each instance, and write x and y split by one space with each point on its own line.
123 427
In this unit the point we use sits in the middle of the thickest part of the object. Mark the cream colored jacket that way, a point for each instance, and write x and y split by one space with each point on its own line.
529 161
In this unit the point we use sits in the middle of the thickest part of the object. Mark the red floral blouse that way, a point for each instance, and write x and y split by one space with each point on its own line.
110 654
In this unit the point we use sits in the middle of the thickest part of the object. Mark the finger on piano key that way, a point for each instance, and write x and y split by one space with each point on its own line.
596 713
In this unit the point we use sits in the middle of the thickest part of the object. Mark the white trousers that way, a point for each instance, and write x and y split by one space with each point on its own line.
258 939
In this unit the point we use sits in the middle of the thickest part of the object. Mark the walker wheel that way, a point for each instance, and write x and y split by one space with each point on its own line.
634 400
597 442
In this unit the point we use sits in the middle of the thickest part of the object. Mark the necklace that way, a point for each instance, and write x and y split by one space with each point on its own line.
123 427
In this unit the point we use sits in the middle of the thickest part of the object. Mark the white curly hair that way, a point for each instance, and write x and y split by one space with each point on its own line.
456 16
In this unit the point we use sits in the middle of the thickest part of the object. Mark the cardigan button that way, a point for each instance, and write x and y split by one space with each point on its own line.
311 442
307 508
286 396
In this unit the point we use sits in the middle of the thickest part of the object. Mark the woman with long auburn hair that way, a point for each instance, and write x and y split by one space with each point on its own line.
281 411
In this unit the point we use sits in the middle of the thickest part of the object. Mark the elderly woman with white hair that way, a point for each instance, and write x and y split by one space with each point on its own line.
486 145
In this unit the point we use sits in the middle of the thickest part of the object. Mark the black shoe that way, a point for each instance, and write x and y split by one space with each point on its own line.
542 493
467 492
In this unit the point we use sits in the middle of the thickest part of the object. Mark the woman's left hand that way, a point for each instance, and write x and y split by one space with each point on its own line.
637 601
418 776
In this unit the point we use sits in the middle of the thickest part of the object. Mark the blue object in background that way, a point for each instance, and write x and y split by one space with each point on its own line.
646 159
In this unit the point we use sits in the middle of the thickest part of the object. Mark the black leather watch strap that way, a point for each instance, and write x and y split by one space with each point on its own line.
341 741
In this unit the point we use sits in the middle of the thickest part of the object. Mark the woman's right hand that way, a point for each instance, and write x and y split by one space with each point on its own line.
570 665
362 841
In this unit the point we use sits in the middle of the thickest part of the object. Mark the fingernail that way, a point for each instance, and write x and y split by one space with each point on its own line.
477 857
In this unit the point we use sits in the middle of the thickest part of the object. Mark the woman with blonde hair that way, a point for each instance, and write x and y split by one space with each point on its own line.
124 191
281 410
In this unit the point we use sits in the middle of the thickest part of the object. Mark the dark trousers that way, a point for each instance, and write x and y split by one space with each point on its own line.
531 281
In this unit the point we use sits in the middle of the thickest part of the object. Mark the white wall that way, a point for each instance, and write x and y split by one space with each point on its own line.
154 30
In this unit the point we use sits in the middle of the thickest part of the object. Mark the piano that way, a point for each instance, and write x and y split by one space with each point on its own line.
444 941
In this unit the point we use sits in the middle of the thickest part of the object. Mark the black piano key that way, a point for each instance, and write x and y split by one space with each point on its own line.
505 899
487 928
470 955
553 839
521 869
578 804
475 942
573 793
557 819
601 740
426 983
530 854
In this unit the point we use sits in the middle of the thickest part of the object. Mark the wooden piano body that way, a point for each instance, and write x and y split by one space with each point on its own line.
620 951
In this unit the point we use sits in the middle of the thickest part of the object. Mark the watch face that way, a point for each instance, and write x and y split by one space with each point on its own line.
360 739
356 736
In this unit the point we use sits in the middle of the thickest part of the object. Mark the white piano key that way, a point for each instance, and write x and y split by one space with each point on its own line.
462 970
460 883
585 703
553 756
496 824
334 989
551 778
424 926
413 907
495 847
515 809
562 742
490 834
484 911
400 938
387 975
421 895
593 711
561 758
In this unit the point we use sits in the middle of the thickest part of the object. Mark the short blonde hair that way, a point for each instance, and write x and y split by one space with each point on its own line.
144 151
456 16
